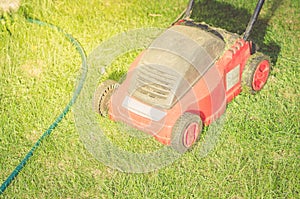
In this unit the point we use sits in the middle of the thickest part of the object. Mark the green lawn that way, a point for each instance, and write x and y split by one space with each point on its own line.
258 152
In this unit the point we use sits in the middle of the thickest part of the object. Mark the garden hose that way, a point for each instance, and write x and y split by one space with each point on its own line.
76 93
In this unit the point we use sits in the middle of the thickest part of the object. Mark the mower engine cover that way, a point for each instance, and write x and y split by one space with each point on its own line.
173 63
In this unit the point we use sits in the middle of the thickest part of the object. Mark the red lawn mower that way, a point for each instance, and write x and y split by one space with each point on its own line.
184 80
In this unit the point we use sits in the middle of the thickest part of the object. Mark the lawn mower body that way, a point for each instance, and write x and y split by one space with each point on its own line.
184 79
192 73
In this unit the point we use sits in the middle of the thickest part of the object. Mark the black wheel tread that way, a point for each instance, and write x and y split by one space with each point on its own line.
102 96
248 73
178 130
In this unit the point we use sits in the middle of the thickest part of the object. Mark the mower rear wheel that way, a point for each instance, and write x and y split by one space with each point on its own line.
256 72
185 132
102 96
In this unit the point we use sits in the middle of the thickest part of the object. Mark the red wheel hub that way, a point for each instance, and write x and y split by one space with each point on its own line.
261 75
190 134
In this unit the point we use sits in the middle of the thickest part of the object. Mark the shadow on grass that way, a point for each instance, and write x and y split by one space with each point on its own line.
227 16
230 18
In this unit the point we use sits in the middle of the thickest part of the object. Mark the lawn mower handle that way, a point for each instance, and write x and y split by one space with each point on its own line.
253 19
189 9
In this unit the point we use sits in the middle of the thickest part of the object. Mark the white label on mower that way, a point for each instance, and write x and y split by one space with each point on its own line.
142 109
232 77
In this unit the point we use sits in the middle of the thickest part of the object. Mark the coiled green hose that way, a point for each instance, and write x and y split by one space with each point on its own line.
76 93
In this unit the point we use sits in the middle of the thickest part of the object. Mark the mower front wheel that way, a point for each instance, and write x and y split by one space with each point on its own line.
256 72
102 96
185 132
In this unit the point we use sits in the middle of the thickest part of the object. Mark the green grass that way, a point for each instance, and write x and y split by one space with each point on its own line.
258 153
